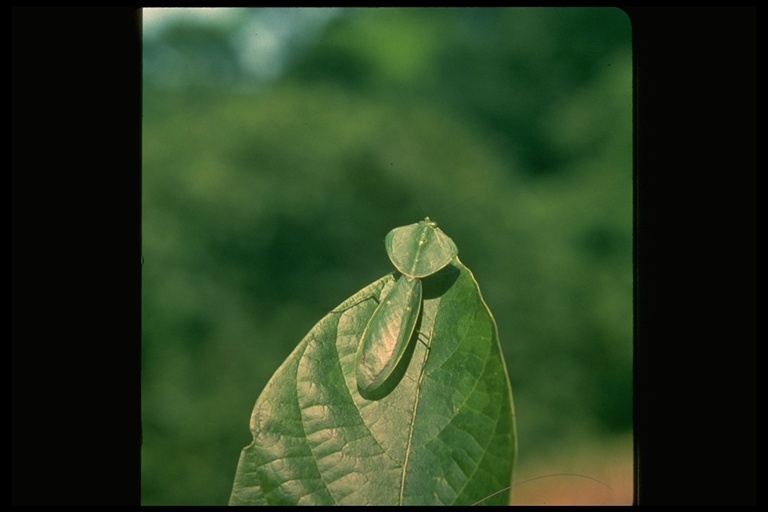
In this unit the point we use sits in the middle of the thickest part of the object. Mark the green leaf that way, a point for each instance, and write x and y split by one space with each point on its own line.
442 433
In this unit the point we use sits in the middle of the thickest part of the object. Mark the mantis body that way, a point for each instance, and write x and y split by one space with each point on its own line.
417 251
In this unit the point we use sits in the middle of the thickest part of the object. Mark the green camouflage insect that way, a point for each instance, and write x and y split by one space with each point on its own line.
417 251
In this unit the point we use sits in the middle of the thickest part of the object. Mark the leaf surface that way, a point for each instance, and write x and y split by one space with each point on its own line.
441 433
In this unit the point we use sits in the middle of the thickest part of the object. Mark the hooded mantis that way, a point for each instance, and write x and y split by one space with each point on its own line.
417 251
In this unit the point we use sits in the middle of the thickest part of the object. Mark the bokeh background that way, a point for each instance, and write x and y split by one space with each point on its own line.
280 146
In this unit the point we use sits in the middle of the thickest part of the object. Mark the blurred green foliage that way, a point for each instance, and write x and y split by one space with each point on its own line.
266 199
